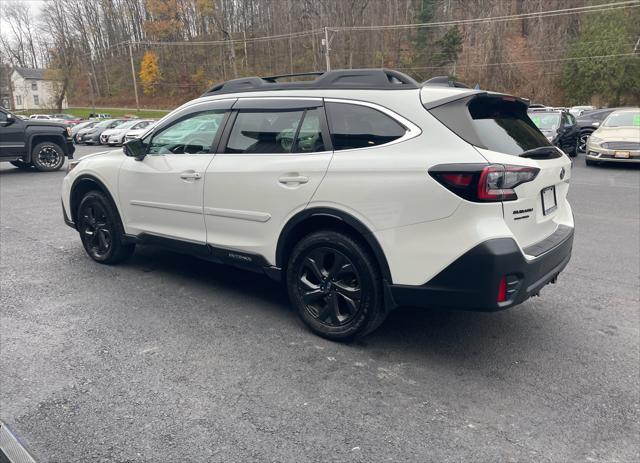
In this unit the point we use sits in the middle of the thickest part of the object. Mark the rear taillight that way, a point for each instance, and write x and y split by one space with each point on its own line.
483 183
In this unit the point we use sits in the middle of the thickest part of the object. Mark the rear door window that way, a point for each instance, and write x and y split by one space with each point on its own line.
268 132
356 126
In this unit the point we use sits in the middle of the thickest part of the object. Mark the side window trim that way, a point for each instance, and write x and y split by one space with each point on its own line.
412 130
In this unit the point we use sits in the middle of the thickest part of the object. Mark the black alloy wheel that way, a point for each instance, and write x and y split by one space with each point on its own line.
96 230
100 229
330 286
335 285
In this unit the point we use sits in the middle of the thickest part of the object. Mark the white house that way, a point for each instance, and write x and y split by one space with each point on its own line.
32 90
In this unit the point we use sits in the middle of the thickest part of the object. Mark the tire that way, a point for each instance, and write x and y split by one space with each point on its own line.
47 157
101 230
21 165
582 141
575 151
335 285
589 162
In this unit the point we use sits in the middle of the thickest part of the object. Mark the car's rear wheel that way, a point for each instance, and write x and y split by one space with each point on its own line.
100 230
47 157
335 285
21 164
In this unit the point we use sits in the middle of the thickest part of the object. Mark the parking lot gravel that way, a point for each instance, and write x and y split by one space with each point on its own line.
168 358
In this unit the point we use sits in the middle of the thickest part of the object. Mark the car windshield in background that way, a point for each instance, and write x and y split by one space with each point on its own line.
623 119
127 124
548 122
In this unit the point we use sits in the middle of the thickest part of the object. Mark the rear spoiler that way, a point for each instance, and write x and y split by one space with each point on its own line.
473 93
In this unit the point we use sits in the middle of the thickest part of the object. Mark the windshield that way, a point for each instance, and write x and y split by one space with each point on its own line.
126 125
109 122
623 119
548 122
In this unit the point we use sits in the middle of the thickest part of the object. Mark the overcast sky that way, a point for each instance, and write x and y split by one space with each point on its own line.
34 5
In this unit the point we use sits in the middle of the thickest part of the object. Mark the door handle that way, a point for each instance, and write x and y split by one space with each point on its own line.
293 179
190 175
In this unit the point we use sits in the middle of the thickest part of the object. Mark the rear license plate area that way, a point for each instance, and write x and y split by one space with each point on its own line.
549 201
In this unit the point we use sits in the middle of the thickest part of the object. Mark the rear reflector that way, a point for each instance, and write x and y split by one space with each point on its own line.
502 290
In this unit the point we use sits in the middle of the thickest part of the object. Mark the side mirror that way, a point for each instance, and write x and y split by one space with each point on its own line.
8 121
135 149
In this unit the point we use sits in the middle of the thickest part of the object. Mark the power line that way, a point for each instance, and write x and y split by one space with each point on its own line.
537 14
539 61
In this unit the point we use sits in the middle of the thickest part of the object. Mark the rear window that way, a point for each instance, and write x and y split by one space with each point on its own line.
492 123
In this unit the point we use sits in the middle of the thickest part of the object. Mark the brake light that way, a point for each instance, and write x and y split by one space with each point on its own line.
483 183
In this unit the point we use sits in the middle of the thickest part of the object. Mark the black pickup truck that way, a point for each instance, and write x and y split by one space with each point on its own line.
39 144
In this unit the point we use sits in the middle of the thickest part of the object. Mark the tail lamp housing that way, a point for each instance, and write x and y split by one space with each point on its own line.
483 183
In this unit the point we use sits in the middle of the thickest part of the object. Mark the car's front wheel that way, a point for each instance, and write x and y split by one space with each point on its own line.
100 229
47 157
335 285
582 141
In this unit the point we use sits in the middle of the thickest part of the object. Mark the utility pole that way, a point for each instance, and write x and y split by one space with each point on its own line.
133 74
93 101
327 58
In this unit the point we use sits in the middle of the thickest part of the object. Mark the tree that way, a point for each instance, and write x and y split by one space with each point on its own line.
614 79
425 13
450 47
149 72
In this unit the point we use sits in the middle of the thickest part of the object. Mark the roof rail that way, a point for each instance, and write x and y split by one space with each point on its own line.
298 74
444 81
351 79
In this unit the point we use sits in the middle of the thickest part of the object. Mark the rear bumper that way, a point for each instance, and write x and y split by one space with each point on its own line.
471 282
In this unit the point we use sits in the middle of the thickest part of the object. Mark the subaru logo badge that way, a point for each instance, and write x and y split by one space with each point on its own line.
562 172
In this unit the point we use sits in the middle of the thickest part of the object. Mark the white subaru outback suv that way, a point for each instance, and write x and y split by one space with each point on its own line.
361 190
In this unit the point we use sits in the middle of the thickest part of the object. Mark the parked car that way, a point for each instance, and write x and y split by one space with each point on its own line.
617 139
137 133
94 116
559 127
392 193
81 126
92 135
577 111
45 117
42 144
588 123
68 118
116 135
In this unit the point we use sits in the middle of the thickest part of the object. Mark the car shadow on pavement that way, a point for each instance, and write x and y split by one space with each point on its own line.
419 331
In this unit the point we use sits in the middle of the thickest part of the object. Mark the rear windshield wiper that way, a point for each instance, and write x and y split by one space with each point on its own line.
542 152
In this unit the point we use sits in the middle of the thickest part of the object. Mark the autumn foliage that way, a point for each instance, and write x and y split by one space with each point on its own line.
149 73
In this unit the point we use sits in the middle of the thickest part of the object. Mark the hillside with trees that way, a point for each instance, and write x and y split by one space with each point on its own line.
179 48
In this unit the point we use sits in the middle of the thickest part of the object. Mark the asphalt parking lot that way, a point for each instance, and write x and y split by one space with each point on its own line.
167 358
